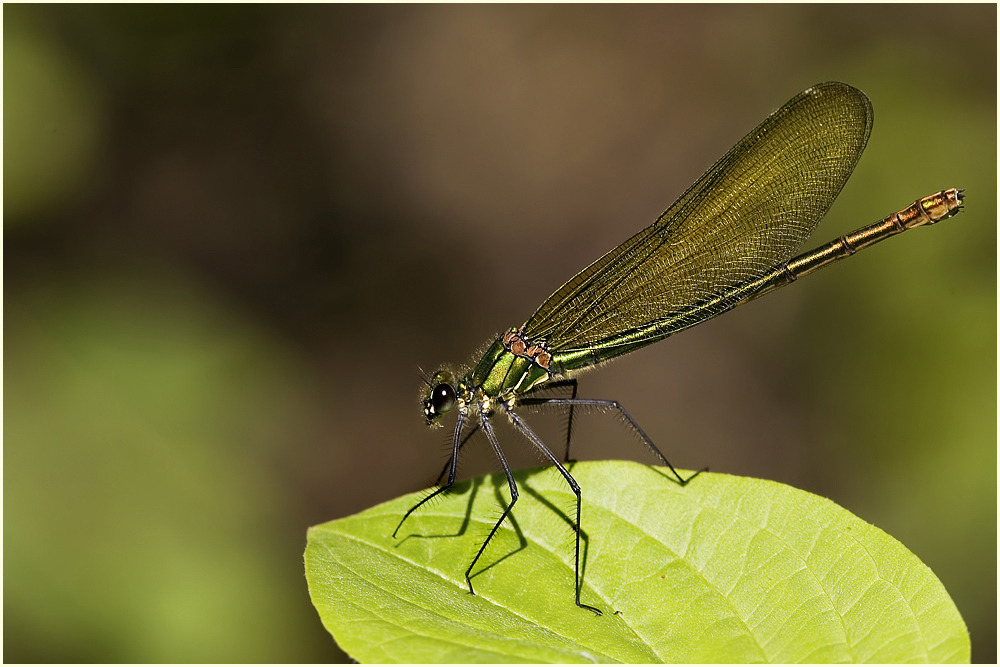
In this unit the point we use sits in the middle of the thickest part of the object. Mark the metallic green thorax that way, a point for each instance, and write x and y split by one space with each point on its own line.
509 368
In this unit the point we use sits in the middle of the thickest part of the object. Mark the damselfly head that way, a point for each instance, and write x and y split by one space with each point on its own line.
440 398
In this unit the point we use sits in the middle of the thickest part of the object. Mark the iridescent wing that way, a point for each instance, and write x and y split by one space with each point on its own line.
743 217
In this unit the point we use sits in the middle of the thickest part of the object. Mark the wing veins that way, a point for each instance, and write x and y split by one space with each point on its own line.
747 214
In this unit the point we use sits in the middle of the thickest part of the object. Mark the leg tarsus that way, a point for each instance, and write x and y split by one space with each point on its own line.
684 482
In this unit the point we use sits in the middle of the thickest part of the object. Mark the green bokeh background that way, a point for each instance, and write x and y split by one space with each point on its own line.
232 234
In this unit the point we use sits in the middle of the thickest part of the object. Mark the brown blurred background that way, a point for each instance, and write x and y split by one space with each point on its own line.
232 234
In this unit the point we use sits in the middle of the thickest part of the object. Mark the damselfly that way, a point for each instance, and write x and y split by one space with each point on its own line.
729 238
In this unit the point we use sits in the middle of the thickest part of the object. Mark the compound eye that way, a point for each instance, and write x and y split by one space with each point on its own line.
443 398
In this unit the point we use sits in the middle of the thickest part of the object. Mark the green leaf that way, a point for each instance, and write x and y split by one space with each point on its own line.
726 569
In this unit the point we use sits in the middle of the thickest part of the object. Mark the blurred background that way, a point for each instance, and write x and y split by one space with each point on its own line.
232 233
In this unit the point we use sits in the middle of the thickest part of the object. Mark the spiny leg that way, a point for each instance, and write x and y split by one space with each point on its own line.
452 471
447 464
631 423
488 428
569 424
537 442
559 384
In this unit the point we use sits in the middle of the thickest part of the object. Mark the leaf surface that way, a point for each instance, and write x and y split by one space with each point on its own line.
726 569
